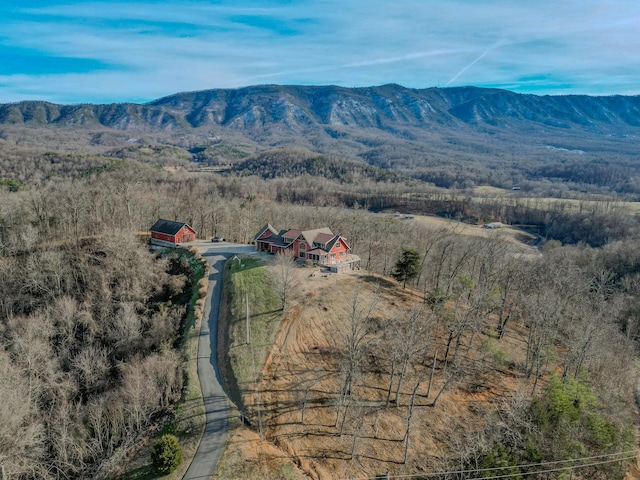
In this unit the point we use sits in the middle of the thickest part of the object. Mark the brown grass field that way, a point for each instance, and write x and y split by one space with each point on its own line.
487 193
515 235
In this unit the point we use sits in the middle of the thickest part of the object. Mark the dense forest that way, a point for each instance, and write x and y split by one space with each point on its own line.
89 331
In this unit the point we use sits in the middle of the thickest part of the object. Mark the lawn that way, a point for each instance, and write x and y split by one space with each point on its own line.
247 279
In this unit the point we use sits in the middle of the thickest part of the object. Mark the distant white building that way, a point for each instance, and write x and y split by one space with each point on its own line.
493 225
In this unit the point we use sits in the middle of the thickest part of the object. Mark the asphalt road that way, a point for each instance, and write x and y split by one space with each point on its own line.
215 400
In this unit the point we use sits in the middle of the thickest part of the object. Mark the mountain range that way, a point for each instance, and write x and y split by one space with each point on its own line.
383 107
390 126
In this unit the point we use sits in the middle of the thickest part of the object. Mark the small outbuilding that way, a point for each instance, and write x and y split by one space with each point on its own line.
170 233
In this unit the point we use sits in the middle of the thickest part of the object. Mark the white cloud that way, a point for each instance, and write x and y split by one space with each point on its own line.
153 49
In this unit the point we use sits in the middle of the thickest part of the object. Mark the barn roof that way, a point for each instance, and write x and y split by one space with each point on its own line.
168 226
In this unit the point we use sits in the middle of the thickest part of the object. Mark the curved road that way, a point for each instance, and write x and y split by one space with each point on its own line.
215 399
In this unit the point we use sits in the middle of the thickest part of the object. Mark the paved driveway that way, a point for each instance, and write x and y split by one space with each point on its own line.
215 400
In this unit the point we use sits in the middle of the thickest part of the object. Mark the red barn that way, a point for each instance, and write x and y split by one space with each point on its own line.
170 233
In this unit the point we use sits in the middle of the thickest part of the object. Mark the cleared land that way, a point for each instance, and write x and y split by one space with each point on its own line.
604 204
515 235
302 373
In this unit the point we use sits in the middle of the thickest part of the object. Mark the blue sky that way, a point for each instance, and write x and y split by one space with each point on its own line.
73 51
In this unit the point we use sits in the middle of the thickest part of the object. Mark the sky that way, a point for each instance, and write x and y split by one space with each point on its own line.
82 51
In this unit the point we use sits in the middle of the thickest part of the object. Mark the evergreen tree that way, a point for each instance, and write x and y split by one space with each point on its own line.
166 454
407 266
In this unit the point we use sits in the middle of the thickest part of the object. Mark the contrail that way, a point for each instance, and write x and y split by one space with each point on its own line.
362 63
482 55
401 58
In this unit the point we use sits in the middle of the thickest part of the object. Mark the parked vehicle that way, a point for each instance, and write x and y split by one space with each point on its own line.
217 239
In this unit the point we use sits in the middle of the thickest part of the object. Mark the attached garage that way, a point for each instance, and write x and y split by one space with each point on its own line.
170 233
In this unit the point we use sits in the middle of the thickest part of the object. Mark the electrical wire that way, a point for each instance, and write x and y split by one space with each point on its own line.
620 456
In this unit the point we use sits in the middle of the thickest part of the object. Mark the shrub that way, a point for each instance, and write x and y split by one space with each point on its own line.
166 454
499 462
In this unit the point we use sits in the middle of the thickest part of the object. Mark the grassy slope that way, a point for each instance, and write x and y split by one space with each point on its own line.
246 456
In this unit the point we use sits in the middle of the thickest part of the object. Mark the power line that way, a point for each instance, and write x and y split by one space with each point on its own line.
569 467
620 456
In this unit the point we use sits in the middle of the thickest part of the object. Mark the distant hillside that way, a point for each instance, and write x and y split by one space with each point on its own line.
294 163
383 107
452 137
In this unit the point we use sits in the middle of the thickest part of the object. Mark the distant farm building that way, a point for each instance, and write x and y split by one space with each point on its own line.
493 225
319 246
170 233
402 216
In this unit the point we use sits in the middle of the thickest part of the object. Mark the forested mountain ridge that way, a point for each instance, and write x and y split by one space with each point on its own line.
452 137
282 163
383 107
393 105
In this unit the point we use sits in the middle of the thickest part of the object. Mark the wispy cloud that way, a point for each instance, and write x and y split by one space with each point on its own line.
83 50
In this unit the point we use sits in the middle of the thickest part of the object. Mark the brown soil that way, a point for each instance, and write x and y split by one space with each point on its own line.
248 457
304 361
634 472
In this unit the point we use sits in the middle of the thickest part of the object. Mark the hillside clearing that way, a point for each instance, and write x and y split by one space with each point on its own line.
301 369
517 236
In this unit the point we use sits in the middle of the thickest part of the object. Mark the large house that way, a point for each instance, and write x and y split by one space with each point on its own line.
320 246
170 233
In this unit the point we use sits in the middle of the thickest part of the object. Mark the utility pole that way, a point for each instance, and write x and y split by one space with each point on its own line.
246 298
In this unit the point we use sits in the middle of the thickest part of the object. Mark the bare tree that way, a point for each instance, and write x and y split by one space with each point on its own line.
543 310
283 277
22 440
356 343
92 368
412 404
413 339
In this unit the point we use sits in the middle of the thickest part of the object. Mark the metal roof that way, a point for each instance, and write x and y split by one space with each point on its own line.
168 226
